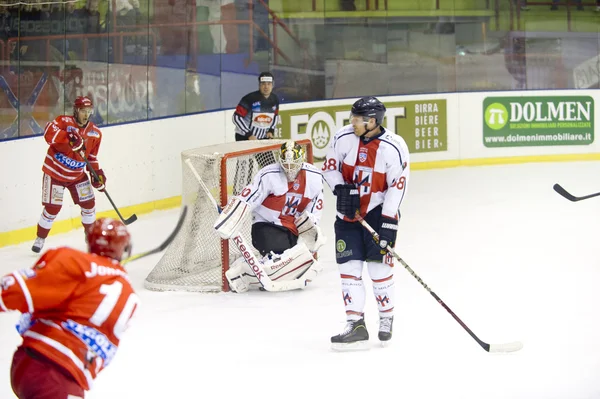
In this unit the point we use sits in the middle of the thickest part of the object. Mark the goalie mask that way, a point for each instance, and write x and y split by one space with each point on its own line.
291 157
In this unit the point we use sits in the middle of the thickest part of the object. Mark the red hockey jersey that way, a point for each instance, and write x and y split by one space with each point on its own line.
75 308
61 162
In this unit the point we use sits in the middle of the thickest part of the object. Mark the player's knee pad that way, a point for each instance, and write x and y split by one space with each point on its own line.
351 268
379 271
52 209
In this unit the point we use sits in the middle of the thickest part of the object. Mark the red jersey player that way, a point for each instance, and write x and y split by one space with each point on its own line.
69 137
75 307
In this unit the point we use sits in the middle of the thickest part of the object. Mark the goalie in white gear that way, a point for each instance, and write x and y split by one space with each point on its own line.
286 200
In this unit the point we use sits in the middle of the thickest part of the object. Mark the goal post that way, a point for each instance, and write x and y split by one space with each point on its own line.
198 258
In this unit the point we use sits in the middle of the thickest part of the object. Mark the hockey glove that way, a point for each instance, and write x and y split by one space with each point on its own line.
348 199
75 141
98 185
387 233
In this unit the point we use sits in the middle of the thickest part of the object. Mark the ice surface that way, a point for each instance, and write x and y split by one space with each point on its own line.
511 257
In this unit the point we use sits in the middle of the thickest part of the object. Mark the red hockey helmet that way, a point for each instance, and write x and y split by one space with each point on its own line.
82 102
109 237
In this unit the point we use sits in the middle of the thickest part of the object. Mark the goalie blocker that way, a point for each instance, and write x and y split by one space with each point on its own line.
286 257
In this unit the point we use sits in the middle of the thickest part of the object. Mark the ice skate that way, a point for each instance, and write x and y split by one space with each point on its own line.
38 245
385 330
354 338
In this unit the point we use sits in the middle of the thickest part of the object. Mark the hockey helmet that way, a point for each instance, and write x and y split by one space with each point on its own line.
369 107
109 237
266 77
291 157
83 107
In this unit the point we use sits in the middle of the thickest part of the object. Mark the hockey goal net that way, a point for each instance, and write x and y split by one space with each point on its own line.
198 258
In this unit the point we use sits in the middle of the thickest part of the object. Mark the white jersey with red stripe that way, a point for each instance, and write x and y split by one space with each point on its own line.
379 166
275 200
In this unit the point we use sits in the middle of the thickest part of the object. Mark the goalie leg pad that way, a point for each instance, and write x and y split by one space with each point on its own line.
230 219
291 264
294 263
237 276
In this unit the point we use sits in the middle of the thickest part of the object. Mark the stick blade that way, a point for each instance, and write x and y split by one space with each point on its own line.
130 219
506 348
560 190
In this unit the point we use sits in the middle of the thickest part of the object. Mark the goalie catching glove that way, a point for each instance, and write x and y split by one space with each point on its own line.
231 218
309 232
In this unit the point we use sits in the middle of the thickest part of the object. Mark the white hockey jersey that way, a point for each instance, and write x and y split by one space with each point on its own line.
275 200
379 166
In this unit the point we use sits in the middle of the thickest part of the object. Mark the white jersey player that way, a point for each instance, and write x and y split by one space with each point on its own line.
286 201
367 167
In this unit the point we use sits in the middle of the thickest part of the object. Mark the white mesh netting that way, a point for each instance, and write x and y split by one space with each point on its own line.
193 261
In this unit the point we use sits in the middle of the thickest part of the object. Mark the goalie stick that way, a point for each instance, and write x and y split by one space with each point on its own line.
559 189
494 348
162 246
247 253
127 221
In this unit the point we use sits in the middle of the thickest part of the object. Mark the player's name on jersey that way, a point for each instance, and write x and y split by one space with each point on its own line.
105 271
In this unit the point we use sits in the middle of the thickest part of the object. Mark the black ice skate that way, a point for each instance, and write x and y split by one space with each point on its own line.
385 329
355 337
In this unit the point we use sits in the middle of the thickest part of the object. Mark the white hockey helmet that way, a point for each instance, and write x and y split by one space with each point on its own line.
291 156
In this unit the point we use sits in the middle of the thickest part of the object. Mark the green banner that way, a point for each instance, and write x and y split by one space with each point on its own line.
538 121
422 124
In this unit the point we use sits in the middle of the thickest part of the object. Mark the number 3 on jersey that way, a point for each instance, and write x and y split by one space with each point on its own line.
112 293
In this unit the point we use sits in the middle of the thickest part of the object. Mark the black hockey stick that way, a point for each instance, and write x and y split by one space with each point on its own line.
127 221
558 188
508 347
162 246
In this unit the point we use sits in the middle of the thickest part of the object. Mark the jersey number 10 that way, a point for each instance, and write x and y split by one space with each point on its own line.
112 293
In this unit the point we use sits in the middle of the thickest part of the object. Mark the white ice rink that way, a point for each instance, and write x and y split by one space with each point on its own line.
512 258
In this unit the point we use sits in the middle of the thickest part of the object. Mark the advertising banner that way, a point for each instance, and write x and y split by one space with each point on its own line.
422 124
538 121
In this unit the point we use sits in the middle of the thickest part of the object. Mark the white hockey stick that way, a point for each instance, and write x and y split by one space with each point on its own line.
508 347
254 264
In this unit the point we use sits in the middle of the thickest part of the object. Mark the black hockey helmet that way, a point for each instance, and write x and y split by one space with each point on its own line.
369 107
266 77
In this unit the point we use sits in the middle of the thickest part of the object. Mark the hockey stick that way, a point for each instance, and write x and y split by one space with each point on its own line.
508 347
162 246
558 188
249 257
127 221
